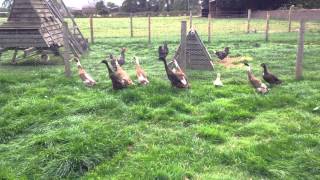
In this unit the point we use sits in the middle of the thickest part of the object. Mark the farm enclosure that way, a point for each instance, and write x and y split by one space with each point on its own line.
51 126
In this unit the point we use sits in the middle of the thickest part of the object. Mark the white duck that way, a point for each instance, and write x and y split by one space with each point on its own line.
218 82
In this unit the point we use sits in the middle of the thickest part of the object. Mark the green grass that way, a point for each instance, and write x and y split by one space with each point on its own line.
53 127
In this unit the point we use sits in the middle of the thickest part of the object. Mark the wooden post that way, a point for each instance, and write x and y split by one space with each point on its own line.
149 28
249 20
300 51
66 52
267 26
190 19
183 45
290 18
131 25
209 27
91 29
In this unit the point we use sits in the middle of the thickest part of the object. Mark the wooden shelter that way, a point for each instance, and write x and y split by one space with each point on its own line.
196 55
38 26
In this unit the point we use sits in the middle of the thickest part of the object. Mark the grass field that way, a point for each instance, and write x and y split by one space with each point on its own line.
53 127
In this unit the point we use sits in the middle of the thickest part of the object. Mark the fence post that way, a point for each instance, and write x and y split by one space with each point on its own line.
290 18
131 25
300 51
267 26
91 30
183 45
149 28
190 19
249 20
209 27
66 52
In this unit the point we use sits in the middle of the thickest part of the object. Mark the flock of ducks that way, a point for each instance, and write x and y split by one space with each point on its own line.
121 80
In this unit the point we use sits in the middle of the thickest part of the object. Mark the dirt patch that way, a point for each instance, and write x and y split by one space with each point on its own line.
234 62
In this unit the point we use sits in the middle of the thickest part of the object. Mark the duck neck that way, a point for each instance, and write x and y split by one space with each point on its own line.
109 68
166 66
265 70
123 54
218 77
249 72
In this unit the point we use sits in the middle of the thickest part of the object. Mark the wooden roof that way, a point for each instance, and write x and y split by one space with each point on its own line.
198 57
31 23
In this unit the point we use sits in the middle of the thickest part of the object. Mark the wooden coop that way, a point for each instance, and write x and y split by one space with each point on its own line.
37 27
192 54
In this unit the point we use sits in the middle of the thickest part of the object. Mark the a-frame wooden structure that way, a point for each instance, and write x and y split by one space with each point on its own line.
38 26
196 55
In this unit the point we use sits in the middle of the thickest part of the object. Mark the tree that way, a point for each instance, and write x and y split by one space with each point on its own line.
101 8
7 3
238 5
135 5
182 5
314 4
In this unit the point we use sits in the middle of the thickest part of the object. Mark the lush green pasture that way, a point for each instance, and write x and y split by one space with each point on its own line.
53 127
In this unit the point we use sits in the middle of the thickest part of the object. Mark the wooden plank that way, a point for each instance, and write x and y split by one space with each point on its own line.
20 36
196 63
201 67
203 47
209 27
183 59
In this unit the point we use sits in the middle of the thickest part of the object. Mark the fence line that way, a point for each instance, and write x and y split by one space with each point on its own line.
150 28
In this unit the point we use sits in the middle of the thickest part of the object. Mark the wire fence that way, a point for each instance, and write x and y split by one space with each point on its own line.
168 28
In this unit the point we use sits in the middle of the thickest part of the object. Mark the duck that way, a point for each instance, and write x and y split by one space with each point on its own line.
269 77
120 79
85 77
122 73
141 75
163 51
177 77
223 54
255 82
121 60
218 82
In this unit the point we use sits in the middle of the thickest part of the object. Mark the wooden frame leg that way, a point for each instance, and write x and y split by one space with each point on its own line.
66 57
14 57
45 57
